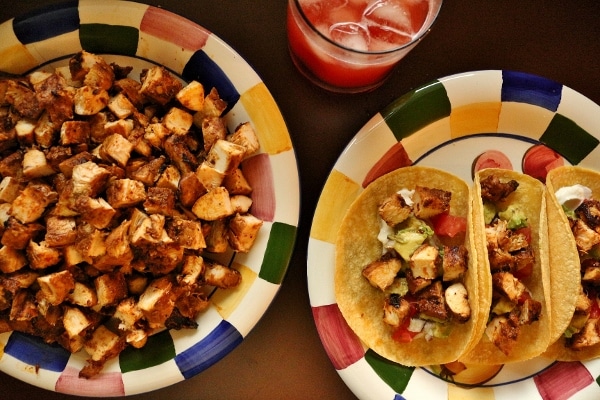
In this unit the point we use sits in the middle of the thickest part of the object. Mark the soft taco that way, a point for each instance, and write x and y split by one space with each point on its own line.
574 233
405 274
509 224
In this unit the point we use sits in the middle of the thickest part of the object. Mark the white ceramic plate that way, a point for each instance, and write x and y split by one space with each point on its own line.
139 35
517 119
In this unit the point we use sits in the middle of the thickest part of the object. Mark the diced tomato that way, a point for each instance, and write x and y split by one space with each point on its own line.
402 334
448 225
525 231
524 273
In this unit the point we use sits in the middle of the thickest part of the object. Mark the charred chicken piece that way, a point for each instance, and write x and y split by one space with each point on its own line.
492 189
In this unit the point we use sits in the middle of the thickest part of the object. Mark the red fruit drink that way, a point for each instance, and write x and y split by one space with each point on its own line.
352 45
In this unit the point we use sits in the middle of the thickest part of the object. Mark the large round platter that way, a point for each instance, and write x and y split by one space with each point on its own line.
141 36
448 124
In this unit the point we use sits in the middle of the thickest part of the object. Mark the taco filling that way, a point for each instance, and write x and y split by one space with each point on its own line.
583 214
512 259
423 263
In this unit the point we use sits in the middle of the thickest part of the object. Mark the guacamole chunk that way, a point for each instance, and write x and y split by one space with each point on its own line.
410 237
514 216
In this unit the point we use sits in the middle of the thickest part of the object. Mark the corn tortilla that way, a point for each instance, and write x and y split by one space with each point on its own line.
533 339
362 305
564 258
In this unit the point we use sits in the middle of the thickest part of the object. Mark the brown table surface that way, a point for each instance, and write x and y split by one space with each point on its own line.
282 358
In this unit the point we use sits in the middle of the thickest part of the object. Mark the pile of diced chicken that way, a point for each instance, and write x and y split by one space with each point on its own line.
584 330
113 191
509 251
427 284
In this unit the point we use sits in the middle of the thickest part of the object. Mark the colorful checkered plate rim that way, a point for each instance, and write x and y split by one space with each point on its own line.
141 36
448 124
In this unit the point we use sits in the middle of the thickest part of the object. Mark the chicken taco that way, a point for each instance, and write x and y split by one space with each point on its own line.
574 209
405 275
509 223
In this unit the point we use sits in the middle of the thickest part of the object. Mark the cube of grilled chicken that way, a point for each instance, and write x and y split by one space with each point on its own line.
423 262
395 310
218 275
429 202
208 176
503 333
9 189
178 151
101 346
416 284
55 287
160 201
90 101
213 205
213 129
243 231
96 212
530 311
381 273
83 62
178 121
136 137
31 203
74 132
128 313
60 231
149 172
23 307
169 178
123 127
89 179
146 230
192 270
120 106
159 85
225 156
110 288
431 301
17 280
25 130
17 235
35 164
116 148
191 96
585 237
494 190
589 212
22 98
591 271
583 304
83 295
55 96
42 256
457 300
394 210
66 166
11 260
509 286
216 238
72 255
187 233
588 336
246 137
241 204
157 302
124 193
213 106
513 242
75 321
11 164
236 183
190 189
130 88
155 133
454 262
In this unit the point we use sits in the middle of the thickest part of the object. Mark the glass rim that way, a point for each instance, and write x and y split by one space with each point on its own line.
416 38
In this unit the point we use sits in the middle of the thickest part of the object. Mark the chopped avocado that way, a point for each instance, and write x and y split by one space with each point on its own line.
412 235
514 216
569 213
577 323
399 287
489 212
503 306
441 331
